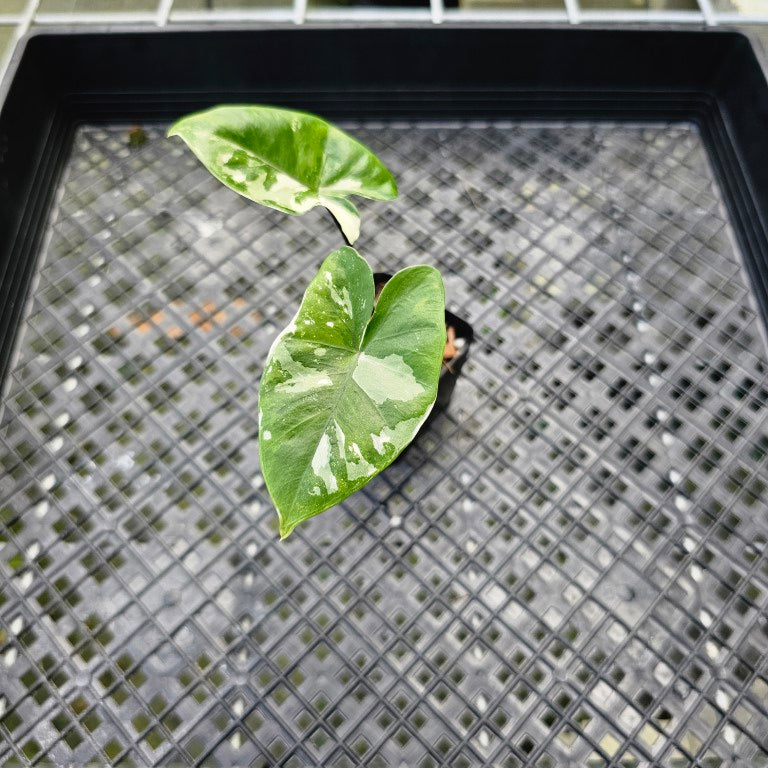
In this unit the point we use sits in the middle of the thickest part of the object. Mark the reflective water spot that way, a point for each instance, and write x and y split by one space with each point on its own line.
386 378
24 582
330 323
267 435
125 461
206 227
696 573
41 509
321 464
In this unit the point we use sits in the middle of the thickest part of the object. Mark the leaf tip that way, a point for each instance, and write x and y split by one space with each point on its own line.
393 191
285 529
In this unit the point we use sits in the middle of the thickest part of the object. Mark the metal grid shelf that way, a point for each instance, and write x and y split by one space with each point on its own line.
568 568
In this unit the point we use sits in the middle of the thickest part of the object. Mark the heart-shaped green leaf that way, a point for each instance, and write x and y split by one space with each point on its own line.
287 160
345 390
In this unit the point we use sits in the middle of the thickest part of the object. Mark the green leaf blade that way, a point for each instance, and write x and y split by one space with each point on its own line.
344 392
287 160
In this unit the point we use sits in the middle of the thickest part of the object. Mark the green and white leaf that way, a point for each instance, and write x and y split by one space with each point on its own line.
288 160
344 391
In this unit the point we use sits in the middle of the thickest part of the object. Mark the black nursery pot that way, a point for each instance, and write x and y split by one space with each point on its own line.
449 373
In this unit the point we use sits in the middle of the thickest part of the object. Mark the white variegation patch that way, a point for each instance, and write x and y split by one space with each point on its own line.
387 378
321 464
340 297
277 157
356 465
305 383
380 441
300 378
399 434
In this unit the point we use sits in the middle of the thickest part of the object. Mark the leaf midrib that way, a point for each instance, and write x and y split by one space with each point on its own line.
330 418
354 354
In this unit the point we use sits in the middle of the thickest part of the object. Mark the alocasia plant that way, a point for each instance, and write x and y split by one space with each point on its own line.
346 387
348 383
291 161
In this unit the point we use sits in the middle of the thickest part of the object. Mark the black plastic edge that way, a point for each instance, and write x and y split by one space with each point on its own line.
61 80
737 137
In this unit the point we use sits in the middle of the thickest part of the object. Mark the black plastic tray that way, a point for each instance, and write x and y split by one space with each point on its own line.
568 567
61 80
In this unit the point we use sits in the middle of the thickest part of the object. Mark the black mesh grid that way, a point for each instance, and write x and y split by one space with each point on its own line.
567 568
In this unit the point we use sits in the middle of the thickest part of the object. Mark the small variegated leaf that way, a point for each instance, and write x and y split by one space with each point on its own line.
291 161
345 388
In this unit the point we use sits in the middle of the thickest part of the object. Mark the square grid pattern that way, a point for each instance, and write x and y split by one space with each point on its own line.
568 567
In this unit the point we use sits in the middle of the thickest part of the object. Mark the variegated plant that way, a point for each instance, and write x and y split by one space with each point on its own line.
346 387
349 382
287 160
